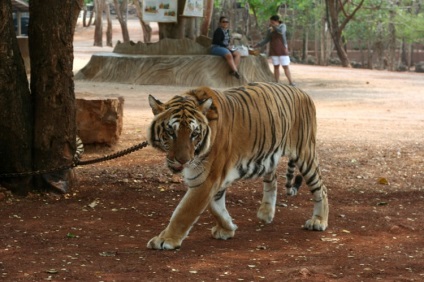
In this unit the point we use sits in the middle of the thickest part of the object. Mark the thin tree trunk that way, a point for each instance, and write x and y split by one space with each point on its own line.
15 105
122 21
323 42
370 56
147 30
109 26
305 45
98 31
52 88
84 16
391 58
91 17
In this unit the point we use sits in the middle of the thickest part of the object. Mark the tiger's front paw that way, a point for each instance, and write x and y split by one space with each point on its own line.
160 243
220 233
315 223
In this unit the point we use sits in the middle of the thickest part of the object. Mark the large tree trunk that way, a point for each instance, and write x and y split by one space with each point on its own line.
98 31
334 8
174 30
51 31
15 105
123 22
147 30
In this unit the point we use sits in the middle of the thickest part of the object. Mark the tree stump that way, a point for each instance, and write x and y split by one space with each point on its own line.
162 63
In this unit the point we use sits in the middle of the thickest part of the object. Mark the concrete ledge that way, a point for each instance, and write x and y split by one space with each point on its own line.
181 70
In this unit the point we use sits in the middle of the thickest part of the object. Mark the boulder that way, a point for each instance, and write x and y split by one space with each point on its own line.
99 119
419 67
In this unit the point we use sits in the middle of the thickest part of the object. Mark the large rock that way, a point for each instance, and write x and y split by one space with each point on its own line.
99 119
419 67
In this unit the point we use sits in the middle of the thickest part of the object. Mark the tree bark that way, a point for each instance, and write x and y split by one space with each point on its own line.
98 31
204 29
147 30
15 105
334 8
174 30
84 16
122 21
51 31
109 26
391 48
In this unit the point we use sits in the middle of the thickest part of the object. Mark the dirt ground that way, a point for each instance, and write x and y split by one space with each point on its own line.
370 143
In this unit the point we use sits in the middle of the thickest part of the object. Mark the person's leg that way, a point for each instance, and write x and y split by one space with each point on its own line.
277 73
276 63
226 54
230 61
285 62
237 57
288 74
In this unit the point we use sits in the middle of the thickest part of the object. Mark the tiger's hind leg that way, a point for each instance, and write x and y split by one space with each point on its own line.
312 175
266 211
292 188
224 228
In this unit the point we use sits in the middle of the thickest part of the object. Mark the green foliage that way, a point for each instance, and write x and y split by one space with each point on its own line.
369 24
410 27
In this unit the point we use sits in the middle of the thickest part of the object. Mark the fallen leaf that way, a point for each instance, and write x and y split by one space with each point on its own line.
52 271
383 181
107 254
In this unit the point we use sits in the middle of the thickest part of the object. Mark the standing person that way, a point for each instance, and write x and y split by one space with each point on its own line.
221 46
278 47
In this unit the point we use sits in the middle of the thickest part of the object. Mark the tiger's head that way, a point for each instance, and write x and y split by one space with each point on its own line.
180 128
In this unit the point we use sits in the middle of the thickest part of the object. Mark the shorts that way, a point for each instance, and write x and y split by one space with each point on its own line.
219 51
280 60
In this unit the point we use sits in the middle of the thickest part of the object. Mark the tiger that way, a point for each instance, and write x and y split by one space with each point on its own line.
216 137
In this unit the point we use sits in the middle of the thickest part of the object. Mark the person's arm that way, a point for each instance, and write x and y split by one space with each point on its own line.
264 41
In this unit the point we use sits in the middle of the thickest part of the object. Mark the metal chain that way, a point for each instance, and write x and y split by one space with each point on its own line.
77 162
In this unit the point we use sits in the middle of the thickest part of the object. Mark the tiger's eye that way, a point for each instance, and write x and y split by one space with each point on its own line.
195 133
170 131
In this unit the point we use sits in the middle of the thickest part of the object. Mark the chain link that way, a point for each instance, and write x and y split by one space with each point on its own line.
77 162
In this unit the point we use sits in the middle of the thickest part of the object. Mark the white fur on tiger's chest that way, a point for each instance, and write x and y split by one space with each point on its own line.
245 168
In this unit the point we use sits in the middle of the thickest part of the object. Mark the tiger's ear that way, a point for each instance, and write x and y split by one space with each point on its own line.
205 105
156 105
205 96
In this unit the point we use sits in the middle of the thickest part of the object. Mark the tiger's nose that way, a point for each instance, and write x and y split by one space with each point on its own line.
182 159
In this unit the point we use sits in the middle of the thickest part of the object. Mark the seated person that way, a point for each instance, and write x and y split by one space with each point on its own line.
220 46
